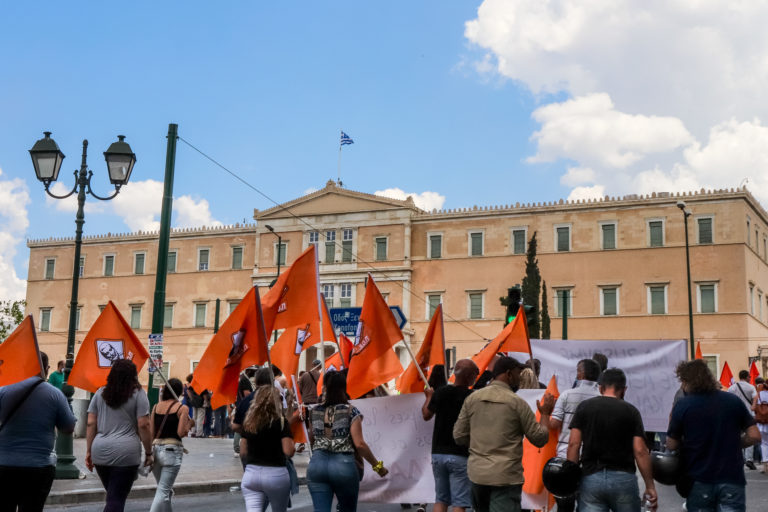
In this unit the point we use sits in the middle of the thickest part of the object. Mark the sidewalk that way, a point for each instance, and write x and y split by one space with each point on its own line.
210 466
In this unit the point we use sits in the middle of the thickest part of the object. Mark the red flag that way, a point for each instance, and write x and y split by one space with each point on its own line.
373 361
241 342
698 351
335 362
20 355
110 339
513 338
431 353
726 377
534 459
753 372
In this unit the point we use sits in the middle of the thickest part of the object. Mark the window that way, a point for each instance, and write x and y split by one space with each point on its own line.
381 248
608 232
81 267
759 305
711 363
765 248
200 310
346 295
657 299
171 262
749 230
656 233
50 266
346 245
232 305
609 301
328 294
330 246
476 243
45 319
136 317
518 241
280 250
563 238
109 265
435 246
203 256
706 295
314 239
168 316
237 258
433 300
752 299
704 230
475 305
77 318
101 307
138 263
563 297
166 371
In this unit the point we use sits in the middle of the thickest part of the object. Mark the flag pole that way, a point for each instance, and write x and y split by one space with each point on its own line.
418 366
319 305
442 330
338 167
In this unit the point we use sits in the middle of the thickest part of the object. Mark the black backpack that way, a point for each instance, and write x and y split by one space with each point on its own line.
195 400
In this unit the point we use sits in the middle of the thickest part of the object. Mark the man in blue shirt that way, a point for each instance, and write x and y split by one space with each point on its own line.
27 464
707 426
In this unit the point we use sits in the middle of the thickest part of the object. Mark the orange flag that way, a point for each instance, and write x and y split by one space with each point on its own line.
110 339
513 338
373 362
431 353
288 347
753 373
698 351
241 342
726 378
335 362
534 459
20 355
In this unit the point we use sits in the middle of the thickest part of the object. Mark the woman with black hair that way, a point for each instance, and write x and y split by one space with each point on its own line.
118 425
170 424
337 432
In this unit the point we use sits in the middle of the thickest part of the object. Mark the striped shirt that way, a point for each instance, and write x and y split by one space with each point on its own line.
566 406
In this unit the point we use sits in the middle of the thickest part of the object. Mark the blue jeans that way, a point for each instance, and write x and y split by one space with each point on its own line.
716 498
606 490
452 486
166 468
332 474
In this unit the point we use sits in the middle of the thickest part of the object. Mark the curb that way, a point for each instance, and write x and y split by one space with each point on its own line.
145 491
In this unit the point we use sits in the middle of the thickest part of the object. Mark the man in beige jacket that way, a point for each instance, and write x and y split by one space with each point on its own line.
493 421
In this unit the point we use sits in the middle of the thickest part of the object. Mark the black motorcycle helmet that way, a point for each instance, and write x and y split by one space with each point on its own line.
666 467
561 477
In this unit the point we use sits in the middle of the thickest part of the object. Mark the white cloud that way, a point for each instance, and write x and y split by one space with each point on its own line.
69 205
14 198
191 212
577 176
424 200
580 193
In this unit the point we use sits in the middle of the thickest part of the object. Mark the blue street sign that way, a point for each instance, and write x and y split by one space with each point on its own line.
346 319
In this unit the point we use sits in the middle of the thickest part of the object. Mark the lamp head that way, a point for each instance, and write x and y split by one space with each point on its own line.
681 205
270 228
46 158
120 161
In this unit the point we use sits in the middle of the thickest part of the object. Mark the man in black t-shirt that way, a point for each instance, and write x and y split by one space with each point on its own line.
449 460
609 433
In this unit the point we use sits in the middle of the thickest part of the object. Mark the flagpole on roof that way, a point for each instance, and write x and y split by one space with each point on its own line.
338 164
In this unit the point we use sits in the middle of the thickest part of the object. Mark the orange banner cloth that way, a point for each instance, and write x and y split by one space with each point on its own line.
513 338
110 339
20 355
431 353
534 459
334 361
287 349
241 342
373 361
698 351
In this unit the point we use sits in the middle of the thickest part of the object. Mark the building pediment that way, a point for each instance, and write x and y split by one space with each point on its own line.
333 199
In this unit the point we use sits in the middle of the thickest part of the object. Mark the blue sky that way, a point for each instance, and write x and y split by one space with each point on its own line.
476 102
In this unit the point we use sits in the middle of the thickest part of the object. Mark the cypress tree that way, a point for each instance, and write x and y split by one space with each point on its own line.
532 286
545 330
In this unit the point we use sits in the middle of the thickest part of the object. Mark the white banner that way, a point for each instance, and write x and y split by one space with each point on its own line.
649 365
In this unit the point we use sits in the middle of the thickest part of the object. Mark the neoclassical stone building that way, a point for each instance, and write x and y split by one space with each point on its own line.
620 261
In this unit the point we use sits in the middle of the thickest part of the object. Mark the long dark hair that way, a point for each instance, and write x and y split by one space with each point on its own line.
173 386
122 381
696 376
335 384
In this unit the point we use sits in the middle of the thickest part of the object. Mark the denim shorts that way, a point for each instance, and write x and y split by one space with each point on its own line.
721 497
452 486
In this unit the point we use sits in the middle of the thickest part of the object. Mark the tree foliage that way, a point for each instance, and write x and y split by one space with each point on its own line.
545 329
532 286
11 315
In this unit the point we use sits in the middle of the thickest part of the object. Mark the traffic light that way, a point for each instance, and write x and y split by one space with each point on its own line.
530 315
513 303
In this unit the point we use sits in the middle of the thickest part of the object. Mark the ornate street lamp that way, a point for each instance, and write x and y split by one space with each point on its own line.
687 213
47 159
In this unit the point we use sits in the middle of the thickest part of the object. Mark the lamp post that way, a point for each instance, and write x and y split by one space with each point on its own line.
279 255
47 159
686 214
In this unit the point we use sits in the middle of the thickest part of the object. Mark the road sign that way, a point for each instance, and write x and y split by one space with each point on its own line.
345 319
156 351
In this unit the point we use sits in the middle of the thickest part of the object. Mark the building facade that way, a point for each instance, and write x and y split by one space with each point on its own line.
619 261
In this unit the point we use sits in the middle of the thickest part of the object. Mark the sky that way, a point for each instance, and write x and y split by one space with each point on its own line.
458 103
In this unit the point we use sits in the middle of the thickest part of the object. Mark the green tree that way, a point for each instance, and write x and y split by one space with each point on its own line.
532 286
545 329
11 315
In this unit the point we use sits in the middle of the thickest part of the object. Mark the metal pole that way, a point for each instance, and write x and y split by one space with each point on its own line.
65 467
279 256
690 300
158 306
565 313
216 318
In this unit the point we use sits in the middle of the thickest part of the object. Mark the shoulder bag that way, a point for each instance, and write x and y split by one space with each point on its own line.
16 406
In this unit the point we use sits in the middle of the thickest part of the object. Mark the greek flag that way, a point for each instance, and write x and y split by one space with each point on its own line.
346 139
